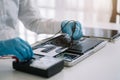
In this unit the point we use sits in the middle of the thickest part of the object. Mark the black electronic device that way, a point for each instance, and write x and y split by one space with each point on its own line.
40 65
108 34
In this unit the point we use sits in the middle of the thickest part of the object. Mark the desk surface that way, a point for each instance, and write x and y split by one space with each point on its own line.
103 65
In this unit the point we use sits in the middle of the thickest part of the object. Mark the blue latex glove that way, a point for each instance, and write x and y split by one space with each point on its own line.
67 27
16 47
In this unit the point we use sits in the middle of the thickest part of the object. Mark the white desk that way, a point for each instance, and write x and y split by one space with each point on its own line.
103 65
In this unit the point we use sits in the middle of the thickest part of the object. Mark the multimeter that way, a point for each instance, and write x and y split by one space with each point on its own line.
43 66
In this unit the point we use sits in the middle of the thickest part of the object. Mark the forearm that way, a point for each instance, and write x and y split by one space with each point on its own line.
44 26
38 25
30 16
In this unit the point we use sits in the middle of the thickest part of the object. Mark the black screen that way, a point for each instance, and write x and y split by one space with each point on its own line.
101 33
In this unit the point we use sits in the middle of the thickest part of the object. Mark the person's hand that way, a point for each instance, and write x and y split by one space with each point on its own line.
17 47
72 28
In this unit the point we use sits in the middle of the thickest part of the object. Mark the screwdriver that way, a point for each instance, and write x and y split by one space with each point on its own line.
73 30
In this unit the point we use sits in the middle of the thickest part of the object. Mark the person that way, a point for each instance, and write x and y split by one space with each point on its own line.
11 11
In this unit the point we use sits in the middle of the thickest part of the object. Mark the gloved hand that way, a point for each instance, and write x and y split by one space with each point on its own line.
72 28
16 47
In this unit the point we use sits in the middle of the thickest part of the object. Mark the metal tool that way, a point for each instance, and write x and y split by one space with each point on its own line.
73 30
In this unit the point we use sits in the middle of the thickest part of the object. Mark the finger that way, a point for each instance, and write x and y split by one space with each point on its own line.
64 23
68 28
78 33
22 51
19 56
29 49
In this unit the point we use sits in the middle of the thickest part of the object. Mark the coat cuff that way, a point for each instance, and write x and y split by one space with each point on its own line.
7 34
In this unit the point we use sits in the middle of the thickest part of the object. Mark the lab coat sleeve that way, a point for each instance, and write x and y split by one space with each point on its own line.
30 16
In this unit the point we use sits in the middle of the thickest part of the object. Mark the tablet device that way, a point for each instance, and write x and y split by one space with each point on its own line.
107 34
59 48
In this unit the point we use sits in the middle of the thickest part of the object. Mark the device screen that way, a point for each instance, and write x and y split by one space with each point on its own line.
68 56
100 33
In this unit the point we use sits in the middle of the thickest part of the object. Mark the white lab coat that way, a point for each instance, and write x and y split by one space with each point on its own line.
27 11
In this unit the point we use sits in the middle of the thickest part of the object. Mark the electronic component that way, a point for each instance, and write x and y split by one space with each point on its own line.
40 65
67 56
48 49
71 54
